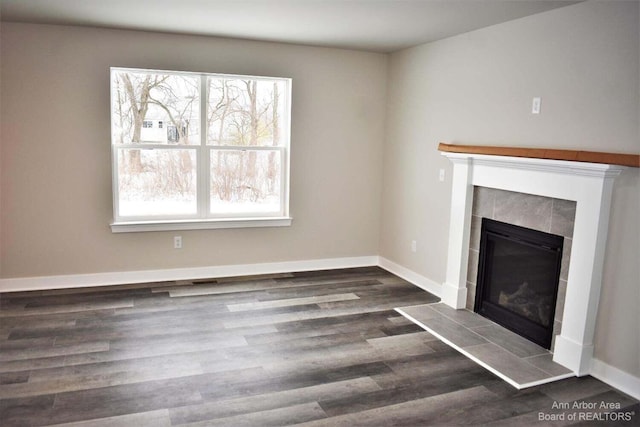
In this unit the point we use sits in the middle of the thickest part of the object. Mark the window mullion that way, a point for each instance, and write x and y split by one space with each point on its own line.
115 181
204 180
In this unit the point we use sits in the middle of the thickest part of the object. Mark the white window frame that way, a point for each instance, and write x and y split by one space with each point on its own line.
204 219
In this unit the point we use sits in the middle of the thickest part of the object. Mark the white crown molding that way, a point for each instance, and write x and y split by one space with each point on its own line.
541 165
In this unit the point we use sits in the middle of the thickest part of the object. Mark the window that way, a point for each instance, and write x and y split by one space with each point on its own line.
222 160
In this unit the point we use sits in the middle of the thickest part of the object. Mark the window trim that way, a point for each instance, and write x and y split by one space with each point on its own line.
199 224
203 218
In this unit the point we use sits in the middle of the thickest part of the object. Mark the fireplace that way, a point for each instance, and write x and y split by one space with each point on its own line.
589 185
518 277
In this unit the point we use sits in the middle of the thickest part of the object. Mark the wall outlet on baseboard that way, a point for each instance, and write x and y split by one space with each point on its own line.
177 242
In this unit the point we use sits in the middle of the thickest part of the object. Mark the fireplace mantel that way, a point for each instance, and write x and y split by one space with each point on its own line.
619 159
589 185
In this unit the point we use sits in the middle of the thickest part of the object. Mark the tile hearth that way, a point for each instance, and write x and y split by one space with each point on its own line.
514 359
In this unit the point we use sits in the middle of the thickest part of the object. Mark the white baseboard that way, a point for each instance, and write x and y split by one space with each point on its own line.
411 276
616 378
69 281
124 277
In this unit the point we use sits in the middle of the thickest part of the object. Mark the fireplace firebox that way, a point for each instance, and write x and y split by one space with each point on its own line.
518 276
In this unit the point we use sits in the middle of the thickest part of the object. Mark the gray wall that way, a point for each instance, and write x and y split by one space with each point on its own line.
477 88
56 173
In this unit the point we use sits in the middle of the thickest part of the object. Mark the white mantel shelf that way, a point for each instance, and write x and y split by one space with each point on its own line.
589 185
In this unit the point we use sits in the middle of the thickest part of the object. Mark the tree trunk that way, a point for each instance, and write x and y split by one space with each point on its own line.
139 109
251 172
271 173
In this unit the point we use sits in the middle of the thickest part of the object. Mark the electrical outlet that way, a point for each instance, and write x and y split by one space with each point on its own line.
414 246
441 176
177 242
535 105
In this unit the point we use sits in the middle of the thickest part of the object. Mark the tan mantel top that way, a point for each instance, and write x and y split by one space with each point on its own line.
632 160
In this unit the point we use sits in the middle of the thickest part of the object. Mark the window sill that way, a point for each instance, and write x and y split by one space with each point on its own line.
198 224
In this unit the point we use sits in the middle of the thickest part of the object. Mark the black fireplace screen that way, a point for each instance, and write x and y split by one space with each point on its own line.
518 275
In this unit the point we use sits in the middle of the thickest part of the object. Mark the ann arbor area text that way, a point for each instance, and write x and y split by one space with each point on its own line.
587 405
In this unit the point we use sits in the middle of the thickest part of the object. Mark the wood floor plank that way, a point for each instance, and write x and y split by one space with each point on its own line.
292 301
272 417
126 350
412 413
27 343
30 364
218 288
394 390
19 412
159 418
68 308
404 345
114 401
46 352
244 405
88 377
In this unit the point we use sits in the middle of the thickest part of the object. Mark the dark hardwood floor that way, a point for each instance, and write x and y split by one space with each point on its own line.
320 348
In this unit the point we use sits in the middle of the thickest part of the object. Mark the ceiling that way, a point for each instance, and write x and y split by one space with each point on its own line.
372 25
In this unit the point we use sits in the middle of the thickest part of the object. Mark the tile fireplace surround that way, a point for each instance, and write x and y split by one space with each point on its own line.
589 185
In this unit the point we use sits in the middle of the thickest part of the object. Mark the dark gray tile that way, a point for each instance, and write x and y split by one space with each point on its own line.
483 201
563 216
506 363
566 258
453 332
419 313
465 318
471 296
562 295
509 341
476 229
472 266
557 329
546 363
525 210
